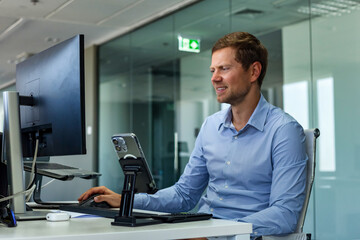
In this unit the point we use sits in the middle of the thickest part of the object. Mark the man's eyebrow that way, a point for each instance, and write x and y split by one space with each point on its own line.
216 66
220 66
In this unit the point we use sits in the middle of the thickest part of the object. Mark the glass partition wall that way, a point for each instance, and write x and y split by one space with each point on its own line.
162 94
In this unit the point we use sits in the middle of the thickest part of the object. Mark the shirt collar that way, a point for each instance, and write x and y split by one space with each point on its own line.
257 119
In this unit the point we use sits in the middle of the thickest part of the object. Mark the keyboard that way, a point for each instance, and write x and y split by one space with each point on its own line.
182 217
99 211
111 213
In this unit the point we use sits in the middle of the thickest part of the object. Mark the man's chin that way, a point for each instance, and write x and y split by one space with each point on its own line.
222 100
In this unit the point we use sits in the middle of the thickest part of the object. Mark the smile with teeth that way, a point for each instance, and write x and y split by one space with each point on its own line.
220 89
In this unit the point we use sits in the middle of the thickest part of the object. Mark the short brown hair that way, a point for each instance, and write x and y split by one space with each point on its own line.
248 50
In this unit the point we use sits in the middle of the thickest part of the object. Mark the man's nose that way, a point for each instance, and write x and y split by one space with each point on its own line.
215 77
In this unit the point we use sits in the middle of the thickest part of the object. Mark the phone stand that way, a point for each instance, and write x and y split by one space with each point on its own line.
125 217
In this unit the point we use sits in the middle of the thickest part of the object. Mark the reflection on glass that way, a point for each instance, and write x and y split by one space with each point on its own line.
325 93
296 101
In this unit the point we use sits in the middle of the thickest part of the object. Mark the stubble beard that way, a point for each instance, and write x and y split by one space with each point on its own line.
235 98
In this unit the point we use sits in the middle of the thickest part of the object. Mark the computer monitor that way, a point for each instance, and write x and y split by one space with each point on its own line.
50 96
54 79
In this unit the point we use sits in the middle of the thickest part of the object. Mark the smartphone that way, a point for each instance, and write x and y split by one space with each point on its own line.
130 153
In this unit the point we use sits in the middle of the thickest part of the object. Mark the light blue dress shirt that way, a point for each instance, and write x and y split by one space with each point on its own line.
254 175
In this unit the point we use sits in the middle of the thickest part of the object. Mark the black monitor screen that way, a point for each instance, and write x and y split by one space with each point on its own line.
54 79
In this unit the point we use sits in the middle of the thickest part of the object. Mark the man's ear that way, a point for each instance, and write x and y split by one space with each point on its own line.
255 71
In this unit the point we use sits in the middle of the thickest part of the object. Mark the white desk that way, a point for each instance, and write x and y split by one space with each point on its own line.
101 229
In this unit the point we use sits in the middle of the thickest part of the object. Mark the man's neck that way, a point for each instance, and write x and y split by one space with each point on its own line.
242 112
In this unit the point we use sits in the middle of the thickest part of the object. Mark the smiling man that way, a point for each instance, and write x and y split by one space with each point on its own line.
250 158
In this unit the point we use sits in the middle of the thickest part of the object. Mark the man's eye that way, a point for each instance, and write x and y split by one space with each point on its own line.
225 68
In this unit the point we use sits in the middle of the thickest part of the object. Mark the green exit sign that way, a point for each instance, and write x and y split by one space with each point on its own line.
189 45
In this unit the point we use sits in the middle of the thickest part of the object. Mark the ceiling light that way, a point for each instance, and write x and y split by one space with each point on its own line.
52 39
23 56
11 27
330 7
19 58
34 1
281 3
61 7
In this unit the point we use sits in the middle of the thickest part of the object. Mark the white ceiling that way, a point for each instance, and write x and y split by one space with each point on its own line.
30 26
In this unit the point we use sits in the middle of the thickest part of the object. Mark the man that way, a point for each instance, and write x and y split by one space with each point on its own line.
250 158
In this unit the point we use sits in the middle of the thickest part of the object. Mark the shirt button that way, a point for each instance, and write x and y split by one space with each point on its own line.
228 162
221 199
236 137
226 186
211 209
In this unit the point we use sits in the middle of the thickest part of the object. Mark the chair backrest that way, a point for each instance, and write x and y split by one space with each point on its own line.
311 136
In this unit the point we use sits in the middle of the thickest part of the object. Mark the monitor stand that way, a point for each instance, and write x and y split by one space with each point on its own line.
37 196
125 217
12 155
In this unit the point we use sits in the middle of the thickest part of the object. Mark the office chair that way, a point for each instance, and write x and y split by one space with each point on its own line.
311 135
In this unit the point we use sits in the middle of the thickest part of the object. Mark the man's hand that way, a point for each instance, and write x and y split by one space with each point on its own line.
107 195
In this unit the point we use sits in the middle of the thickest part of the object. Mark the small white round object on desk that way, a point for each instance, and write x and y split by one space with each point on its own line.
57 216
